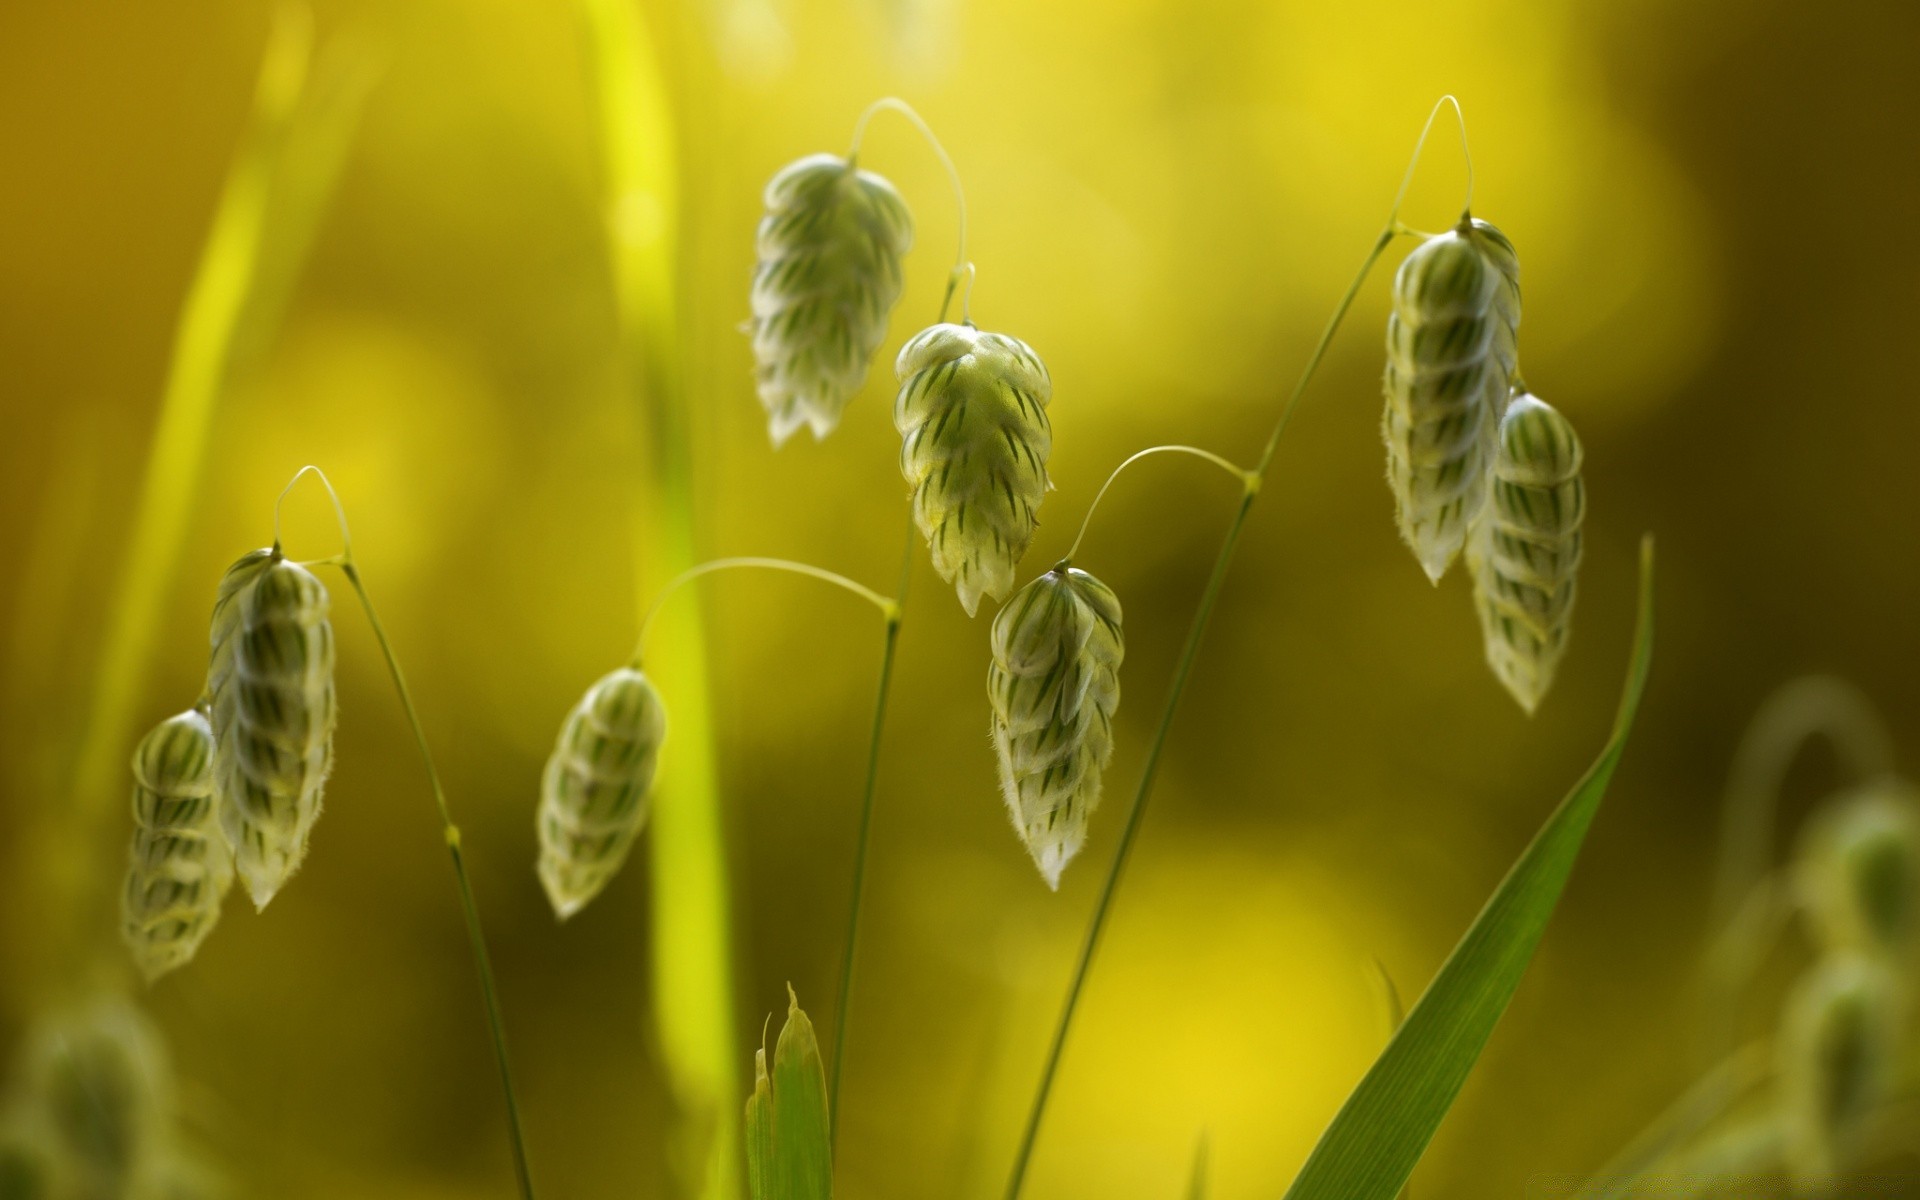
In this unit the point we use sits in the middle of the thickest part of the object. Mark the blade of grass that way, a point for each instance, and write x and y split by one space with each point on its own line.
270 205
1384 1127
692 967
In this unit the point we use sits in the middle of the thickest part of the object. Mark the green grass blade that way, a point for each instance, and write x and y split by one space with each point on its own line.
1197 1176
788 1128
1384 1127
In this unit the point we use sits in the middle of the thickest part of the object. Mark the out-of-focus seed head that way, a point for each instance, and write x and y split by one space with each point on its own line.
270 680
1526 552
1839 1048
179 867
1449 361
98 1078
593 795
1858 871
1053 684
972 413
828 276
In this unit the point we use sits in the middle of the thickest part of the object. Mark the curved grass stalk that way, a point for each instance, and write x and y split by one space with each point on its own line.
690 907
476 937
1183 670
270 204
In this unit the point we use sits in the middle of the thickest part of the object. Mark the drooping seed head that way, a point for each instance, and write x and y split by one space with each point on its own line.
593 795
972 413
1054 683
828 276
1839 1051
99 1078
270 679
1450 358
179 867
1526 551
1858 871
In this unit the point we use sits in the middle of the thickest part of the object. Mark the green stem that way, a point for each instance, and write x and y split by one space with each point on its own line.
885 604
861 840
1188 655
489 992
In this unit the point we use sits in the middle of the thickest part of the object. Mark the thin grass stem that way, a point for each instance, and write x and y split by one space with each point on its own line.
476 938
1239 473
895 104
1183 671
886 604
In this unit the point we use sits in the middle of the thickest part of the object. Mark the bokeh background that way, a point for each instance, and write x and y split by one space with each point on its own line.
1715 206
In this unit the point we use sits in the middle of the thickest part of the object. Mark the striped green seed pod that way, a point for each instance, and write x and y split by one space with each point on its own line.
1857 871
270 679
593 795
1839 1050
179 868
1444 387
1054 683
1526 551
972 415
827 278
1498 250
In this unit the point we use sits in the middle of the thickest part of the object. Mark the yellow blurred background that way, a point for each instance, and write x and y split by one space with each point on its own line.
1714 206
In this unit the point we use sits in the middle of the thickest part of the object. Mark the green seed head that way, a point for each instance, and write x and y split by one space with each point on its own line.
1450 359
1525 554
828 276
270 680
1858 871
972 413
1053 684
593 795
179 867
1840 1043
100 1078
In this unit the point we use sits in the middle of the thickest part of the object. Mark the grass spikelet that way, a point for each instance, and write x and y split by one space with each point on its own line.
1054 684
1839 1051
270 679
179 867
99 1079
788 1127
593 795
972 413
1497 249
1444 388
1858 871
1527 548
827 278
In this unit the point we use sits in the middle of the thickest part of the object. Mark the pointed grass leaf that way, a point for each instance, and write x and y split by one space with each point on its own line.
1371 1147
788 1127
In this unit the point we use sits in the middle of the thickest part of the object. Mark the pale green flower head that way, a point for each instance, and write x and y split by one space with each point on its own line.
179 867
593 794
828 275
270 681
1053 684
972 413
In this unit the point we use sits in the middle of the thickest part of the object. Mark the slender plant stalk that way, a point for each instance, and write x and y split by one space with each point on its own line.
252 212
1189 654
690 907
476 937
862 837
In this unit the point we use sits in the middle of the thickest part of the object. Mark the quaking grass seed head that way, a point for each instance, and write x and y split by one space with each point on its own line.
1839 1052
100 1078
1526 553
179 867
827 278
1445 386
1053 685
1857 871
593 794
972 416
270 680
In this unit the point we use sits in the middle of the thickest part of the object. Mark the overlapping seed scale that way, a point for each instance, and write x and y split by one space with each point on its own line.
1053 684
593 794
1526 554
271 685
1444 387
1839 1049
179 866
1498 250
828 275
972 416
